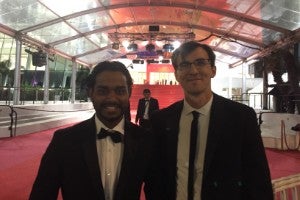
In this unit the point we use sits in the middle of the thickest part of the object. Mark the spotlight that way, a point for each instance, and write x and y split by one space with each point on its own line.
132 47
28 51
39 58
150 47
159 52
168 47
115 46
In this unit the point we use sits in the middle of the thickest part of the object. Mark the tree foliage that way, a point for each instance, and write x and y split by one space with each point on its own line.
4 70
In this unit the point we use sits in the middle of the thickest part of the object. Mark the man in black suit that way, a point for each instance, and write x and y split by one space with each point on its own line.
85 164
225 158
146 107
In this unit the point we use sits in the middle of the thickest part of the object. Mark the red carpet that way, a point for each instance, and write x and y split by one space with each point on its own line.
283 163
20 157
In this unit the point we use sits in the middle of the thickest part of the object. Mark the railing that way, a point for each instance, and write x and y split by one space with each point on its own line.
287 188
280 103
36 95
13 120
255 100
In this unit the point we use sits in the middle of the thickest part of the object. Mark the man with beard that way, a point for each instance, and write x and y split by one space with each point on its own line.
105 157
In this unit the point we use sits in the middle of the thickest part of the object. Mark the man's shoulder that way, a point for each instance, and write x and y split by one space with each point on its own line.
220 102
136 130
174 107
77 128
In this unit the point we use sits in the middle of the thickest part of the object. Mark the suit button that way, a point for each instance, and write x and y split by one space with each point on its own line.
239 183
215 184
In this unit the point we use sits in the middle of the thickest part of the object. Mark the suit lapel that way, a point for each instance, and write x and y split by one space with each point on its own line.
91 157
130 144
216 122
144 107
172 131
130 149
171 144
129 153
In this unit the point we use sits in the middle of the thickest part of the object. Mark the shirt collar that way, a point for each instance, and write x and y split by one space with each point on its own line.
204 110
119 127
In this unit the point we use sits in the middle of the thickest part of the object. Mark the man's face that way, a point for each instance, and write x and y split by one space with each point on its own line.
147 95
110 97
195 80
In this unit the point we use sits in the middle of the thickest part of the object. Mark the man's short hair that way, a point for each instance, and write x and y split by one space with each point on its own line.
114 66
146 91
187 48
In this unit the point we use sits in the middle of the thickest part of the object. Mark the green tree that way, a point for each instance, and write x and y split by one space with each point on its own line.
4 71
81 77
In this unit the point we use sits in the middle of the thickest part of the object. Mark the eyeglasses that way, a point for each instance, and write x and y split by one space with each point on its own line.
199 63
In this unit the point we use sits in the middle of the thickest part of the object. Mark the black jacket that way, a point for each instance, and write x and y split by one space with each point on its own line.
235 165
71 163
153 106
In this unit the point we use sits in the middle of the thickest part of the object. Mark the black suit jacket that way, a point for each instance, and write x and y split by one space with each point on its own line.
153 106
71 163
235 165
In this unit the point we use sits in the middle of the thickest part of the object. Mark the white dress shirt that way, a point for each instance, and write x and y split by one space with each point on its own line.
110 156
146 113
184 146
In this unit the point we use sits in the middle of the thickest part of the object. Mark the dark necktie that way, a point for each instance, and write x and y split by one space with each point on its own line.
193 142
114 135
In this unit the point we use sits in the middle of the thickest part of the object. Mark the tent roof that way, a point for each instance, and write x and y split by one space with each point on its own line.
84 30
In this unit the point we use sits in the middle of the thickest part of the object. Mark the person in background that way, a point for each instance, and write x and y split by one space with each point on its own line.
210 146
105 157
146 106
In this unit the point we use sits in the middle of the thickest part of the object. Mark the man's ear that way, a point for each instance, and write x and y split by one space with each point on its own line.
214 71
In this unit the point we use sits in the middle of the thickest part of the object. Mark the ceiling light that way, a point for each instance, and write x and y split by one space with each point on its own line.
176 44
125 43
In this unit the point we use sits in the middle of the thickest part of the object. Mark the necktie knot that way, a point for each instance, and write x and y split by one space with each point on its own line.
115 136
195 114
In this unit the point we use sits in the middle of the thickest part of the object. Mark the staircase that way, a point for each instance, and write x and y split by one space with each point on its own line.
165 94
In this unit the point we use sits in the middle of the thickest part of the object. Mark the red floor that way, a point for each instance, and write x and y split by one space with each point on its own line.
20 157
